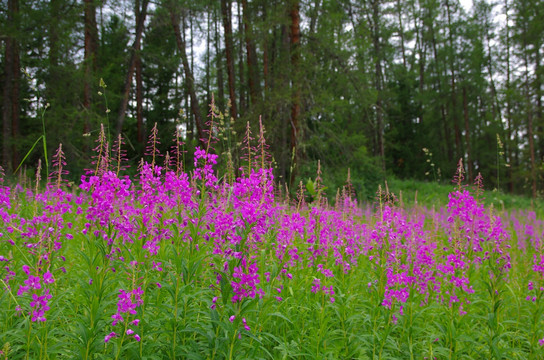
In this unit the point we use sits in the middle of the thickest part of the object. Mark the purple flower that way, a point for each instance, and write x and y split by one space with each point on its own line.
22 290
109 336
39 305
214 300
26 269
33 282
117 318
245 324
317 286
157 266
48 278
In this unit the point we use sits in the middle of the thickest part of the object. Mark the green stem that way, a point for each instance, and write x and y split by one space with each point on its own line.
13 296
175 322
28 339
450 335
321 325
410 337
216 335
232 345
122 340
382 342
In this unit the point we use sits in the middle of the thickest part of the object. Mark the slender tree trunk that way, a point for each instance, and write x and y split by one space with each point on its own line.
190 115
530 134
378 80
11 111
510 144
208 66
7 98
314 16
227 25
529 110
251 54
191 39
401 32
139 97
15 104
91 47
496 107
422 52
538 93
451 56
219 64
438 70
53 80
295 99
279 81
242 93
189 80
140 18
265 55
467 136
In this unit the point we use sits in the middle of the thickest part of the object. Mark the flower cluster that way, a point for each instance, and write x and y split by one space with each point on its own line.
204 163
127 304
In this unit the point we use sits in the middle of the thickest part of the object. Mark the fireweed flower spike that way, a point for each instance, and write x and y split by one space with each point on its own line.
235 252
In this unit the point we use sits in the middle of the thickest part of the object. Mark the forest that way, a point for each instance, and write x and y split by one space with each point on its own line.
373 88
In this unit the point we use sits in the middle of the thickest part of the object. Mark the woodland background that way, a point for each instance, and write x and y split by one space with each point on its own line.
358 84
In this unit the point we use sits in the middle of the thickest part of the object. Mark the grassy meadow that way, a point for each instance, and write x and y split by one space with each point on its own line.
199 265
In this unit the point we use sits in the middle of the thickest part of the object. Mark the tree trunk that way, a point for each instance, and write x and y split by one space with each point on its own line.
401 33
242 93
54 75
11 110
530 134
314 15
538 93
227 25
254 91
220 101
191 39
208 65
195 108
452 54
467 136
265 55
496 107
529 113
134 50
295 99
91 46
438 70
378 81
510 142
139 97
421 48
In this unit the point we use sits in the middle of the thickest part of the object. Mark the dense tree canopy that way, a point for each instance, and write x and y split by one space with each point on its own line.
358 84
